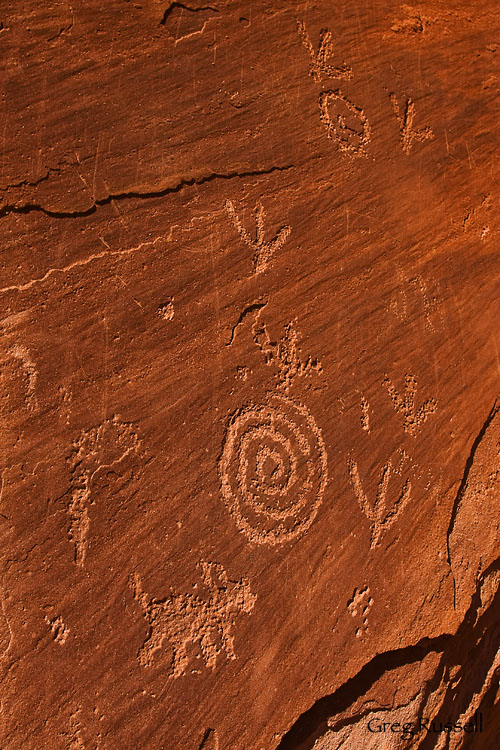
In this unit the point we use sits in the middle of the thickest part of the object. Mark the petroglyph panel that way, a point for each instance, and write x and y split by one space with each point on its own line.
185 620
273 470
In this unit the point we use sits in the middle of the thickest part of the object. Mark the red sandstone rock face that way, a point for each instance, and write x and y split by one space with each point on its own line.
250 368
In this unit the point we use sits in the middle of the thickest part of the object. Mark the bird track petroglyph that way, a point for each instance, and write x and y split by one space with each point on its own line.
263 251
319 67
413 418
96 449
379 513
273 470
184 620
345 123
407 131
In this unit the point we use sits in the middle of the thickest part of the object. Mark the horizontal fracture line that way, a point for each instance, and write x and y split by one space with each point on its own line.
31 207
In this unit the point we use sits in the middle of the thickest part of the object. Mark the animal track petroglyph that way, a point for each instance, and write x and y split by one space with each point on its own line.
379 513
359 608
319 67
184 620
284 354
58 629
96 449
407 131
345 123
263 251
273 470
413 418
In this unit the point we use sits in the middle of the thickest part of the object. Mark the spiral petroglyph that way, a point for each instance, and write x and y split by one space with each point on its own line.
273 470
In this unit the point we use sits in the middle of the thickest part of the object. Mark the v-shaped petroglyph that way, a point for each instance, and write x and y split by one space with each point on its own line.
263 251
380 515
185 619
284 354
413 418
319 66
405 119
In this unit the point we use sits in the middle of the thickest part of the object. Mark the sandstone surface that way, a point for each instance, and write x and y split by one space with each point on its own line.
250 374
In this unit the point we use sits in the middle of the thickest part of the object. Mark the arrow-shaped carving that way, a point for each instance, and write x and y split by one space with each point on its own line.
380 516
263 251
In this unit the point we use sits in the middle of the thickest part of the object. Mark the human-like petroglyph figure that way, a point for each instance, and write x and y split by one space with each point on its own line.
408 132
284 354
380 514
413 418
359 607
184 620
320 68
345 123
263 251
94 450
273 470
